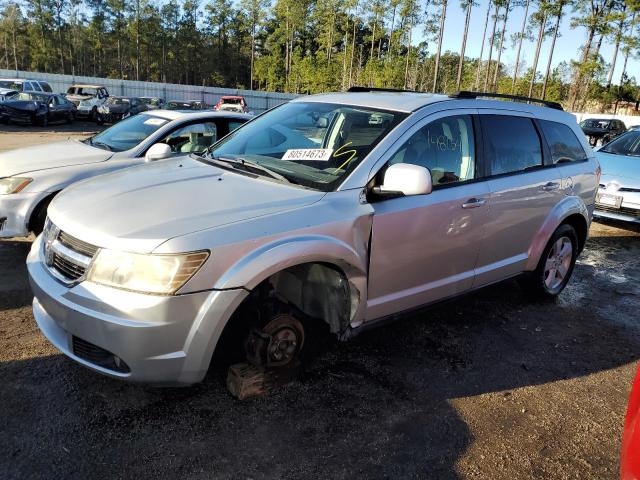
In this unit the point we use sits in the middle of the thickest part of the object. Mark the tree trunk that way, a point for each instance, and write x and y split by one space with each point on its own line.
536 57
353 49
553 46
517 65
484 35
443 16
614 58
493 34
463 47
137 40
406 65
494 84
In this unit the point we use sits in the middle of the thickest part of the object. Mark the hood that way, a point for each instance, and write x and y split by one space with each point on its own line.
139 208
594 131
26 105
53 155
623 168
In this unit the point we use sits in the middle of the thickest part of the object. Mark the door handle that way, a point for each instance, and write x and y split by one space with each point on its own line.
550 186
474 203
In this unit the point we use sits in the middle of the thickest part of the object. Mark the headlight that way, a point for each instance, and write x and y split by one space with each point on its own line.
13 184
155 274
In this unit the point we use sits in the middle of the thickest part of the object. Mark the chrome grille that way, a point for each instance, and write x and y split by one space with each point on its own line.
77 245
67 257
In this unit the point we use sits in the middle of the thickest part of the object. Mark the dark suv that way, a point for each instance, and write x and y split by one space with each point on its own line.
602 130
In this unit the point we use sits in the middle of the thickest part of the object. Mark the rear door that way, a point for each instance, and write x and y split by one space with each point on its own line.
524 186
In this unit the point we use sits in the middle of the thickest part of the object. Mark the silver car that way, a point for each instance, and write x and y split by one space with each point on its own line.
619 193
31 177
332 212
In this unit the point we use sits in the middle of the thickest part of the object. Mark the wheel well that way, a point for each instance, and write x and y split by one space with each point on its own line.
579 224
44 203
319 294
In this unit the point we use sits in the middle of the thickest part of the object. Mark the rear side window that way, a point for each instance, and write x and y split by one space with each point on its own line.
45 87
563 143
513 144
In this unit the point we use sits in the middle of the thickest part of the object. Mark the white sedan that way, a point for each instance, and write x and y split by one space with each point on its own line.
30 177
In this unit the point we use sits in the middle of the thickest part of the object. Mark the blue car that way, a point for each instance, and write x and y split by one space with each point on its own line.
619 193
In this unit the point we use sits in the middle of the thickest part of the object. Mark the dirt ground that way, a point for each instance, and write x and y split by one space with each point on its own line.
489 386
18 136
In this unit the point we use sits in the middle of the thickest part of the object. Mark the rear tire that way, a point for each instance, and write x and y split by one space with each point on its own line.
555 267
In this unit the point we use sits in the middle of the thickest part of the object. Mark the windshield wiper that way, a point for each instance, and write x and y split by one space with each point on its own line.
246 165
107 147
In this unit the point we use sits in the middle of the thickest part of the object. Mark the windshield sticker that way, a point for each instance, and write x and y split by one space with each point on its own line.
308 154
154 121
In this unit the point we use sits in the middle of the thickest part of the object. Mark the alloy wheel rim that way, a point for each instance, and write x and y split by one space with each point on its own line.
558 263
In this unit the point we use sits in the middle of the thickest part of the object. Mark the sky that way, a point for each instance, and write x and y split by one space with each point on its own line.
567 45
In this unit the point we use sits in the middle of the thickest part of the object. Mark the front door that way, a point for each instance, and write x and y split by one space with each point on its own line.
424 247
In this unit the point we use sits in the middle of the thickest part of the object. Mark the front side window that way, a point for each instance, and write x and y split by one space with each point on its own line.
564 145
194 138
627 144
513 144
309 143
444 146
128 133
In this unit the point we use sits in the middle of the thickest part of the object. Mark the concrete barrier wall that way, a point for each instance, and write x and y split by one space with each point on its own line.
258 101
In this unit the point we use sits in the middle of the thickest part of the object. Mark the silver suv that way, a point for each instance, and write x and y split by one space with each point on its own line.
333 211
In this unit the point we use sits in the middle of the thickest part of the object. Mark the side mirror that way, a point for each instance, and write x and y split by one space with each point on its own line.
405 179
158 152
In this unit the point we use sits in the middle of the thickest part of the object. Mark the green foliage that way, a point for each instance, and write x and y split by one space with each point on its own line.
309 46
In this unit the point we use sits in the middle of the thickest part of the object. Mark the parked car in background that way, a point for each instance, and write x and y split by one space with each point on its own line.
153 103
25 85
6 93
186 105
619 193
602 130
633 128
630 455
37 108
87 98
117 108
400 200
232 103
30 177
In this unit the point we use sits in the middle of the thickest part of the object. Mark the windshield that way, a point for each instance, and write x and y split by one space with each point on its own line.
10 84
150 101
128 133
30 96
595 123
231 100
309 143
626 144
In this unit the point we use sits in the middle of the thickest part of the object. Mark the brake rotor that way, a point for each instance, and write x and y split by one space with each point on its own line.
287 339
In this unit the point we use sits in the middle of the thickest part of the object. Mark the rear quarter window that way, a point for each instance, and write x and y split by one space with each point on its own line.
512 143
563 143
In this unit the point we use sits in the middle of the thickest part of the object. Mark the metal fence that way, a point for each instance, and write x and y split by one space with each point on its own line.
258 101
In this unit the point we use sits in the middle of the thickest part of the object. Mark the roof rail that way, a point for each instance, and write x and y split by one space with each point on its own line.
357 88
466 95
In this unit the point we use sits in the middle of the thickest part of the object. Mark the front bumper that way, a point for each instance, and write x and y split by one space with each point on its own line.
164 340
16 210
627 211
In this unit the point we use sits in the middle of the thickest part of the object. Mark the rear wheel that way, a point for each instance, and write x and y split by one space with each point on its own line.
555 266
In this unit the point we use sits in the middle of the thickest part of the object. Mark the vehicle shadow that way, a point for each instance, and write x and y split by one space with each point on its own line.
14 284
380 406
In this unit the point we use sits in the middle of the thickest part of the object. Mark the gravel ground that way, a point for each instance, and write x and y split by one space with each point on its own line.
18 136
488 386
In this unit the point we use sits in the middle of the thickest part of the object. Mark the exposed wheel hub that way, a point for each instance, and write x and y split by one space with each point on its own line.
278 343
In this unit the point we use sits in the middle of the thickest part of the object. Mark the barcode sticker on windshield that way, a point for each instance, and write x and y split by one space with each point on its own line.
308 154
154 121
